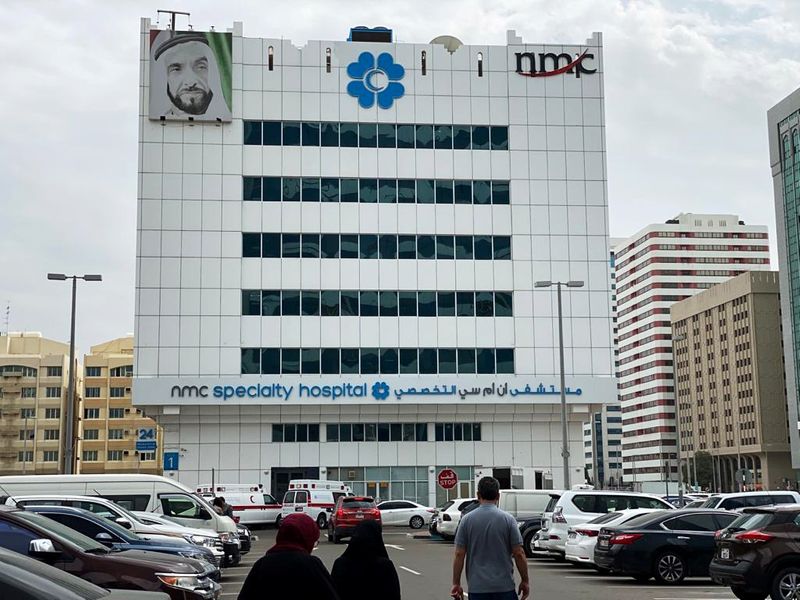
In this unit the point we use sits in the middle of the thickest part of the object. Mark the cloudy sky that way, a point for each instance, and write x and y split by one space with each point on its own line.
688 84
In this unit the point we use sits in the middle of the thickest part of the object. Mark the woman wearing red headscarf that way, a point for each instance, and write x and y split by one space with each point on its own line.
288 570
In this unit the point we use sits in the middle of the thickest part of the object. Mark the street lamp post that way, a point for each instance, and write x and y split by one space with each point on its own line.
69 433
680 337
564 436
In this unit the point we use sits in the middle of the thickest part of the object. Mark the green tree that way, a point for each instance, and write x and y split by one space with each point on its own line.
705 477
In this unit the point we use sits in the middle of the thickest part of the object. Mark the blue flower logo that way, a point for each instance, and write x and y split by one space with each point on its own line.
373 80
380 389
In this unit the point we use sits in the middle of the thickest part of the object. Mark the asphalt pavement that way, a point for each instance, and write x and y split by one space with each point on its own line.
424 567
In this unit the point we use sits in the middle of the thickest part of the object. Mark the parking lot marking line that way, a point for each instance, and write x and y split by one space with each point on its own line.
410 570
394 546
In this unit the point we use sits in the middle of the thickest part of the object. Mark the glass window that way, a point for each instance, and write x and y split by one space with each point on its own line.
345 432
349 303
505 360
425 136
251 304
406 191
329 245
405 136
389 361
251 188
502 247
291 189
386 135
483 247
383 432
408 361
482 192
426 247
290 302
349 190
277 432
310 245
252 133
368 190
310 190
480 137
369 303
461 137
387 191
388 304
447 360
466 360
443 137
349 246
463 191
370 432
428 361
504 304
500 192
272 189
407 304
358 432
426 306
464 247
368 246
330 189
348 135
367 135
499 138
291 133
465 304
329 303
310 302
445 247
332 432
396 432
484 304
446 304
387 246
485 360
425 191
329 361
250 365
448 432
691 523
407 246
310 134
251 245
291 245
302 430
270 245
476 432
290 361
329 134
444 191
310 360
421 432
272 133
270 361
369 361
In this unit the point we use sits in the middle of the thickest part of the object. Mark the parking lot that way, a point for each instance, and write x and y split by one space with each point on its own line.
424 567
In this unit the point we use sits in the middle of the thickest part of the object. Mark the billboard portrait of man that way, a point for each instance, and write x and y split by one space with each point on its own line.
190 75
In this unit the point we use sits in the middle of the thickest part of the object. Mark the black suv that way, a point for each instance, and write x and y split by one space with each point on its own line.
757 555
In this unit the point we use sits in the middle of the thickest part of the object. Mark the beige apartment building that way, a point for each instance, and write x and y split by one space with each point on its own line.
34 375
729 381
109 426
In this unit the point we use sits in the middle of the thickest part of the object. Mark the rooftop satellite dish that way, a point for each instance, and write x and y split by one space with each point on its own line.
450 42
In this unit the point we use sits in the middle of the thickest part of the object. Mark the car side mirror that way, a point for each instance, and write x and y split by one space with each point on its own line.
124 522
104 538
43 548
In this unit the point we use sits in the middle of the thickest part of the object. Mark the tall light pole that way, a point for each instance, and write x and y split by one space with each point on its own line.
564 437
678 337
69 432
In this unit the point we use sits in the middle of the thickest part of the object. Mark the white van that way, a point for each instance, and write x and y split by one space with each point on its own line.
741 500
314 497
250 504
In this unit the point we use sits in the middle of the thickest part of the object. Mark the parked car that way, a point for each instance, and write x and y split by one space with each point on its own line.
740 500
581 539
37 536
756 555
669 545
316 498
527 507
24 577
450 516
695 503
405 513
245 539
350 511
575 507
117 537
250 503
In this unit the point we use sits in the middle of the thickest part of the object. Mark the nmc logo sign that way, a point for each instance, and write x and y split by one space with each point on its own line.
546 64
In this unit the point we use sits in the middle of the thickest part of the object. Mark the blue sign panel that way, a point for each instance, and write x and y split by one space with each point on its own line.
171 461
146 446
375 80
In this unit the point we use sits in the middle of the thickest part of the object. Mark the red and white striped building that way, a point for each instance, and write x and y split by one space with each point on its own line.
657 266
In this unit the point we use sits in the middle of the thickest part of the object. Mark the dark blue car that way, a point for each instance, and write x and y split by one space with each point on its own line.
117 537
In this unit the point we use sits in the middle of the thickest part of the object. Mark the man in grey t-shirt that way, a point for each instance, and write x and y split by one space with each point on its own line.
487 539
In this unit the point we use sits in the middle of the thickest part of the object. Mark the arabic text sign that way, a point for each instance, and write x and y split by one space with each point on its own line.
447 479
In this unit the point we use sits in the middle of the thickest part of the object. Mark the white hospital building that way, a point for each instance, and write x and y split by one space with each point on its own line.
336 280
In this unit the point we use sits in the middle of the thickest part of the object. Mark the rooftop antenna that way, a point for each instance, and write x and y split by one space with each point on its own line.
172 14
7 316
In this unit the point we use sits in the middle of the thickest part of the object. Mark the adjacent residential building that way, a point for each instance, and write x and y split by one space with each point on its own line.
34 376
729 382
656 267
113 436
784 159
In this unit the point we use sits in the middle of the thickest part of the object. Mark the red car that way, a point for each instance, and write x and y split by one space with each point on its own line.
349 512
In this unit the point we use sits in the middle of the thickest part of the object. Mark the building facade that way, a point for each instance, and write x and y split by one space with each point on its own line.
784 159
729 383
34 377
656 267
335 278
114 436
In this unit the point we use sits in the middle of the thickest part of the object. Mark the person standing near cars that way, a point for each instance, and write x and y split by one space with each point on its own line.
288 570
487 540
365 570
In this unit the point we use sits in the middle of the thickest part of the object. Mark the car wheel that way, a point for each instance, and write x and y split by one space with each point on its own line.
322 521
416 522
527 542
786 585
670 568
278 521
743 594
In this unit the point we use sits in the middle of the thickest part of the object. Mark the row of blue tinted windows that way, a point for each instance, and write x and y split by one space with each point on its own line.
376 135
371 303
373 361
386 191
384 246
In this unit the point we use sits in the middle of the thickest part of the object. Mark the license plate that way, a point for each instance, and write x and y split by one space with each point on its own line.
573 535
725 553
602 542
359 516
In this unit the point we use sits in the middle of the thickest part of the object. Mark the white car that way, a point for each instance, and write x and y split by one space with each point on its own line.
740 500
582 539
404 513
450 516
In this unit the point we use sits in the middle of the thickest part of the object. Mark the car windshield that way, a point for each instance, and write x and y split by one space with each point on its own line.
127 536
605 518
81 588
346 503
83 542
446 505
750 521
711 502
640 520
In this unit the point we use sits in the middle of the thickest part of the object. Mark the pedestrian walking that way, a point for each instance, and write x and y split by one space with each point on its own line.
223 507
487 540
365 570
288 570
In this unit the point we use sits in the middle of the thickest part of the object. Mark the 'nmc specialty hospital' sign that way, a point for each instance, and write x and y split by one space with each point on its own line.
547 64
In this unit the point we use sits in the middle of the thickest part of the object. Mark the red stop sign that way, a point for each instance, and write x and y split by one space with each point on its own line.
447 479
